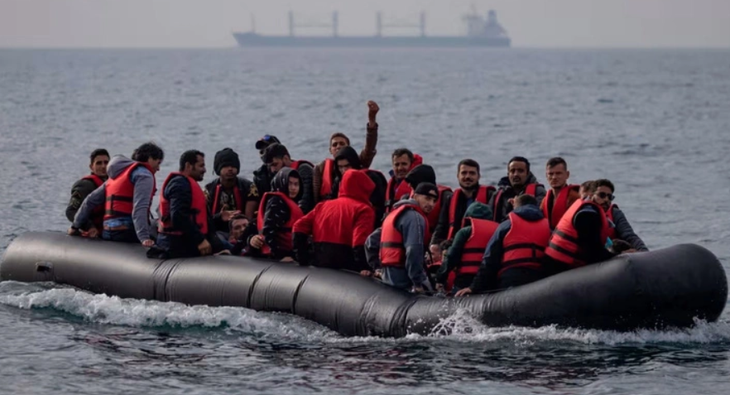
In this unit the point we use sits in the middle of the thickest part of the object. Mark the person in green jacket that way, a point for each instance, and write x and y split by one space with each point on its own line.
452 259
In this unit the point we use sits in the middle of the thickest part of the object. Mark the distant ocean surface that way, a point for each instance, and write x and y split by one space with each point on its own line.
655 122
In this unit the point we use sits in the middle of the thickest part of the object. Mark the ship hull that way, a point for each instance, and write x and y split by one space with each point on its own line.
254 40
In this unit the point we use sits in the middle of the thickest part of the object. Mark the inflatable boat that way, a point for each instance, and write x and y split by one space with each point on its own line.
672 287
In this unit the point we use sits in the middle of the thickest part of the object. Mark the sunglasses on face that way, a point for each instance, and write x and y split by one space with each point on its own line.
604 195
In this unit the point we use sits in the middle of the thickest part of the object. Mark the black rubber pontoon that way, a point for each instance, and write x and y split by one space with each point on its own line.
668 287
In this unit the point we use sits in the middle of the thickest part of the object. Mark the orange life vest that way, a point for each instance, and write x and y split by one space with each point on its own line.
198 208
524 245
402 189
563 245
120 193
392 251
236 195
284 234
325 190
295 164
560 204
97 215
482 231
433 216
530 189
482 197
612 225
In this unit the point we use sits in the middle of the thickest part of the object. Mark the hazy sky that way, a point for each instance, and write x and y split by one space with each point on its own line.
208 23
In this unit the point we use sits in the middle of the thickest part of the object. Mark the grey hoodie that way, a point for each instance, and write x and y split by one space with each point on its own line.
144 186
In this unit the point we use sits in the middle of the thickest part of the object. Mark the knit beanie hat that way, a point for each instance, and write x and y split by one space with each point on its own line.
226 157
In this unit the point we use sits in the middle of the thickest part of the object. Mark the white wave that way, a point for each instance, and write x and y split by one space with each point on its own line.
113 310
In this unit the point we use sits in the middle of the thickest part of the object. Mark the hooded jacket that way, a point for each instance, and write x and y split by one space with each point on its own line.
500 201
144 187
488 277
453 256
365 158
276 212
339 227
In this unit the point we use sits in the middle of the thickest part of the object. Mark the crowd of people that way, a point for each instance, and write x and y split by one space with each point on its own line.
408 230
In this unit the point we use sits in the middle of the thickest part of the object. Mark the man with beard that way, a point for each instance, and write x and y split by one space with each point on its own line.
83 187
185 228
519 180
469 191
561 195
403 161
621 228
262 176
229 194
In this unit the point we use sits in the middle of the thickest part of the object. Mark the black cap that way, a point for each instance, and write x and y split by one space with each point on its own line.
226 157
428 189
266 141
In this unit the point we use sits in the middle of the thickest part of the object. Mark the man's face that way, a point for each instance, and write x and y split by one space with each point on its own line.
468 176
229 172
337 143
603 197
401 165
237 228
343 165
98 166
198 170
426 202
277 163
154 164
517 173
293 187
557 175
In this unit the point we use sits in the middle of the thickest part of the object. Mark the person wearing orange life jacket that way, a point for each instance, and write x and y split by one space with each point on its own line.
519 180
185 226
230 194
403 239
580 238
561 194
465 254
325 173
126 197
403 161
425 173
277 214
515 254
338 227
620 227
83 187
277 157
468 174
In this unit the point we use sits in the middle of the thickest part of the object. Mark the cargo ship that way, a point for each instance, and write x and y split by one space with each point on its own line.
480 32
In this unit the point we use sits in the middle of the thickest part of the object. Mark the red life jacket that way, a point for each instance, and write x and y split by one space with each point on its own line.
397 192
198 208
236 195
560 205
433 216
482 196
482 231
295 164
392 251
524 245
563 245
530 189
97 215
325 190
612 225
284 234
120 193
